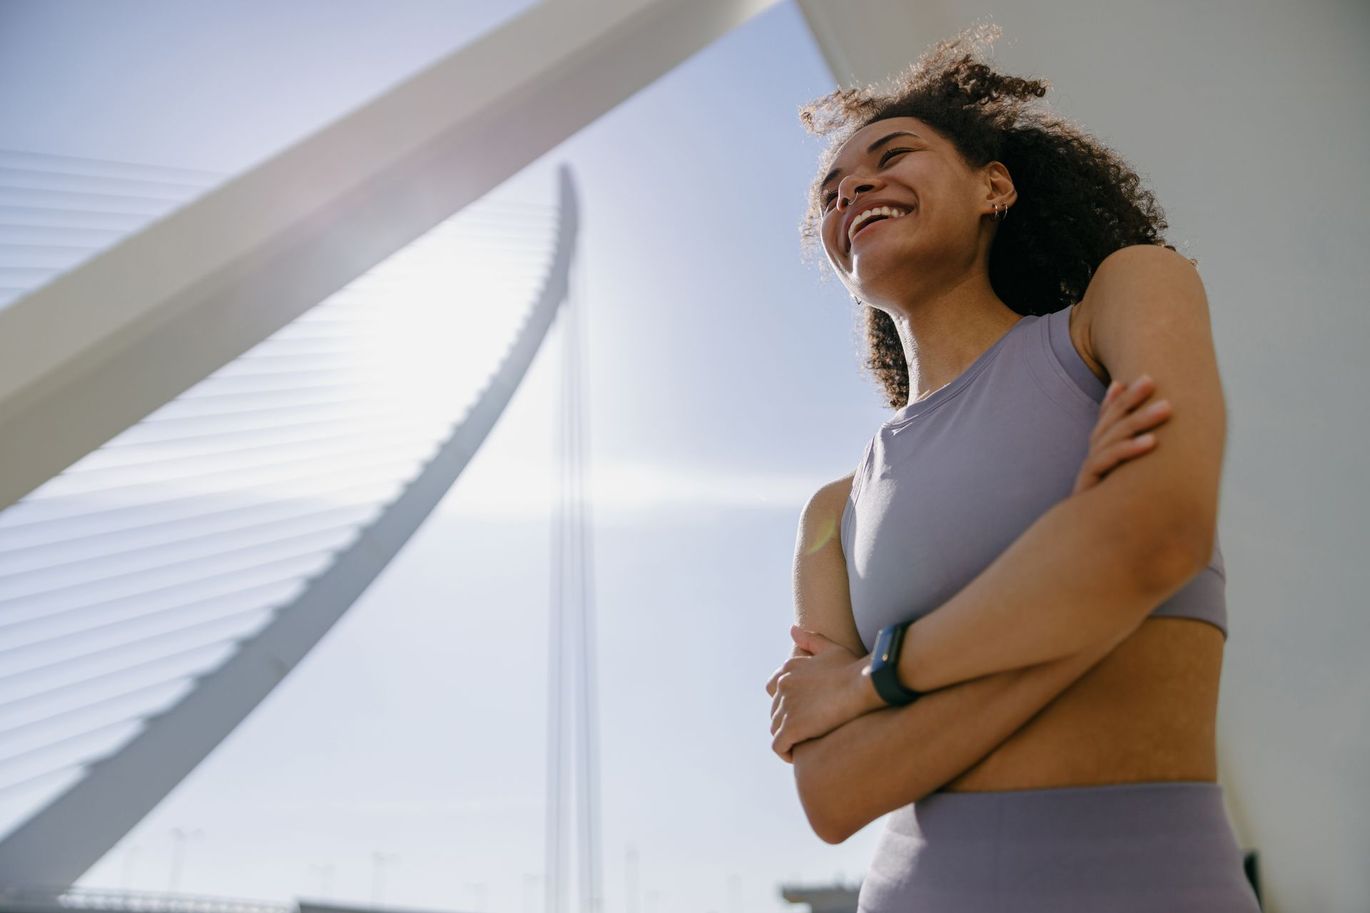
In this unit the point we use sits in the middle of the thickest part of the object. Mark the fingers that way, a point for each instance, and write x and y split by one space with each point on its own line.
777 697
779 739
1100 462
1121 432
775 677
1122 399
787 666
784 749
1122 415
782 743
1145 418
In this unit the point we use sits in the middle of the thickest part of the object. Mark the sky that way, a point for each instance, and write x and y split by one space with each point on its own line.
723 389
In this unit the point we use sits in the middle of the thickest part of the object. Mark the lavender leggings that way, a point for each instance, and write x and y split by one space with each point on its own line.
1124 848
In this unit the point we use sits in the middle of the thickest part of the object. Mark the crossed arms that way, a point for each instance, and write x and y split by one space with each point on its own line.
1072 587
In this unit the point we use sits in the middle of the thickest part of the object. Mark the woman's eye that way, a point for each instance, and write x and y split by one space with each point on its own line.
827 200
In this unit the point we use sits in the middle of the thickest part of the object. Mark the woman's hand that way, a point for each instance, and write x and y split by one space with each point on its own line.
1120 417
816 690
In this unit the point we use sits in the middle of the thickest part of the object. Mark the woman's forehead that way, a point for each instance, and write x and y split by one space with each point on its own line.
879 128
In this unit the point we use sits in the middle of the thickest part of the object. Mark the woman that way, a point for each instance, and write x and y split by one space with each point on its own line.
1044 739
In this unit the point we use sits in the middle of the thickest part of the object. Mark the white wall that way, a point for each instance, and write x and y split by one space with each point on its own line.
1249 120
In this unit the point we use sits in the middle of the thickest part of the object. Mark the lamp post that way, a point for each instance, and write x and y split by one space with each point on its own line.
530 886
378 861
180 837
325 871
129 856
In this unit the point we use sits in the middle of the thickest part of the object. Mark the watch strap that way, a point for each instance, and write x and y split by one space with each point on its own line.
889 643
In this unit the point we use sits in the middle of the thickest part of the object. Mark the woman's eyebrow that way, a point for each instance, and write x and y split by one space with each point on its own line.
869 149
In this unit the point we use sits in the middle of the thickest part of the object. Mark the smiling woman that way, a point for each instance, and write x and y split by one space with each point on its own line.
1073 200
1040 582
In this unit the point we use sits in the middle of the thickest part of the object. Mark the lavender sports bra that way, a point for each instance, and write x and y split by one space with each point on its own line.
949 482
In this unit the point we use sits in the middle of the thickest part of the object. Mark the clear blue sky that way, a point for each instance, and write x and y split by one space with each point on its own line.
724 389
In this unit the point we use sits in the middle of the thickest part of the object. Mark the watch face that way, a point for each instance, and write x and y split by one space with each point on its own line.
884 645
880 655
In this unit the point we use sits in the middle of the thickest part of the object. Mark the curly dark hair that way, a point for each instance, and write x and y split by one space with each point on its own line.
1078 201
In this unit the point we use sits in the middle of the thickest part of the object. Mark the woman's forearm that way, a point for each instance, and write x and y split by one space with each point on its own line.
888 758
1076 577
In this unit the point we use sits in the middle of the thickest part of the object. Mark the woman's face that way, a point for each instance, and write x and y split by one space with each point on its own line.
903 163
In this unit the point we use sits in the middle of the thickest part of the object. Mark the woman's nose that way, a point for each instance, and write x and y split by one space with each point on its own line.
845 195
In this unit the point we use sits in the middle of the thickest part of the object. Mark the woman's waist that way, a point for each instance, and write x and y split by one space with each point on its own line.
1071 746
1082 757
1146 712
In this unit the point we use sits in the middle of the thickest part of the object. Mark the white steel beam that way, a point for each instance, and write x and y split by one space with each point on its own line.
105 344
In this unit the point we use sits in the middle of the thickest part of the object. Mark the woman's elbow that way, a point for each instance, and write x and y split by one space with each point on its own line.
821 807
835 807
833 837
822 821
1182 551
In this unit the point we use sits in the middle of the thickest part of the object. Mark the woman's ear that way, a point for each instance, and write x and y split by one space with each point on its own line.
999 184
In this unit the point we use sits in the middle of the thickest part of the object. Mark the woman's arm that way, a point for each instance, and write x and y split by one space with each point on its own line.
1079 575
1098 562
825 683
886 759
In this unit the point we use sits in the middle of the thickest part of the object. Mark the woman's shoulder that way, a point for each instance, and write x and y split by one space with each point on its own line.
834 494
823 512
1122 269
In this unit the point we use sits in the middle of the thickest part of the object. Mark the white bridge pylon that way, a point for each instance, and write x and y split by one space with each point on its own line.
100 347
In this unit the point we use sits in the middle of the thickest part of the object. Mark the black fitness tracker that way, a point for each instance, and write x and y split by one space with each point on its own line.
885 666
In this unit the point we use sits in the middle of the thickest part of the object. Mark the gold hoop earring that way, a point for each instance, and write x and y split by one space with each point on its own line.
1000 214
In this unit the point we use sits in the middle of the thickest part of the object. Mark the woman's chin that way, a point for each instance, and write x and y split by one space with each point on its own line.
876 269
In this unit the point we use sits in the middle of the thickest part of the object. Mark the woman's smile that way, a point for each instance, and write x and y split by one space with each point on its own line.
862 229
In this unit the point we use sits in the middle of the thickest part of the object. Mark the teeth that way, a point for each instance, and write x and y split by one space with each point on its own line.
890 211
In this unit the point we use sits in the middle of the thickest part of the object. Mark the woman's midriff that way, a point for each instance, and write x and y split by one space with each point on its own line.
1147 711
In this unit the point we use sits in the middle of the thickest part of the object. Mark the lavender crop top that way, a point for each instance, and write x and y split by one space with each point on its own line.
949 482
